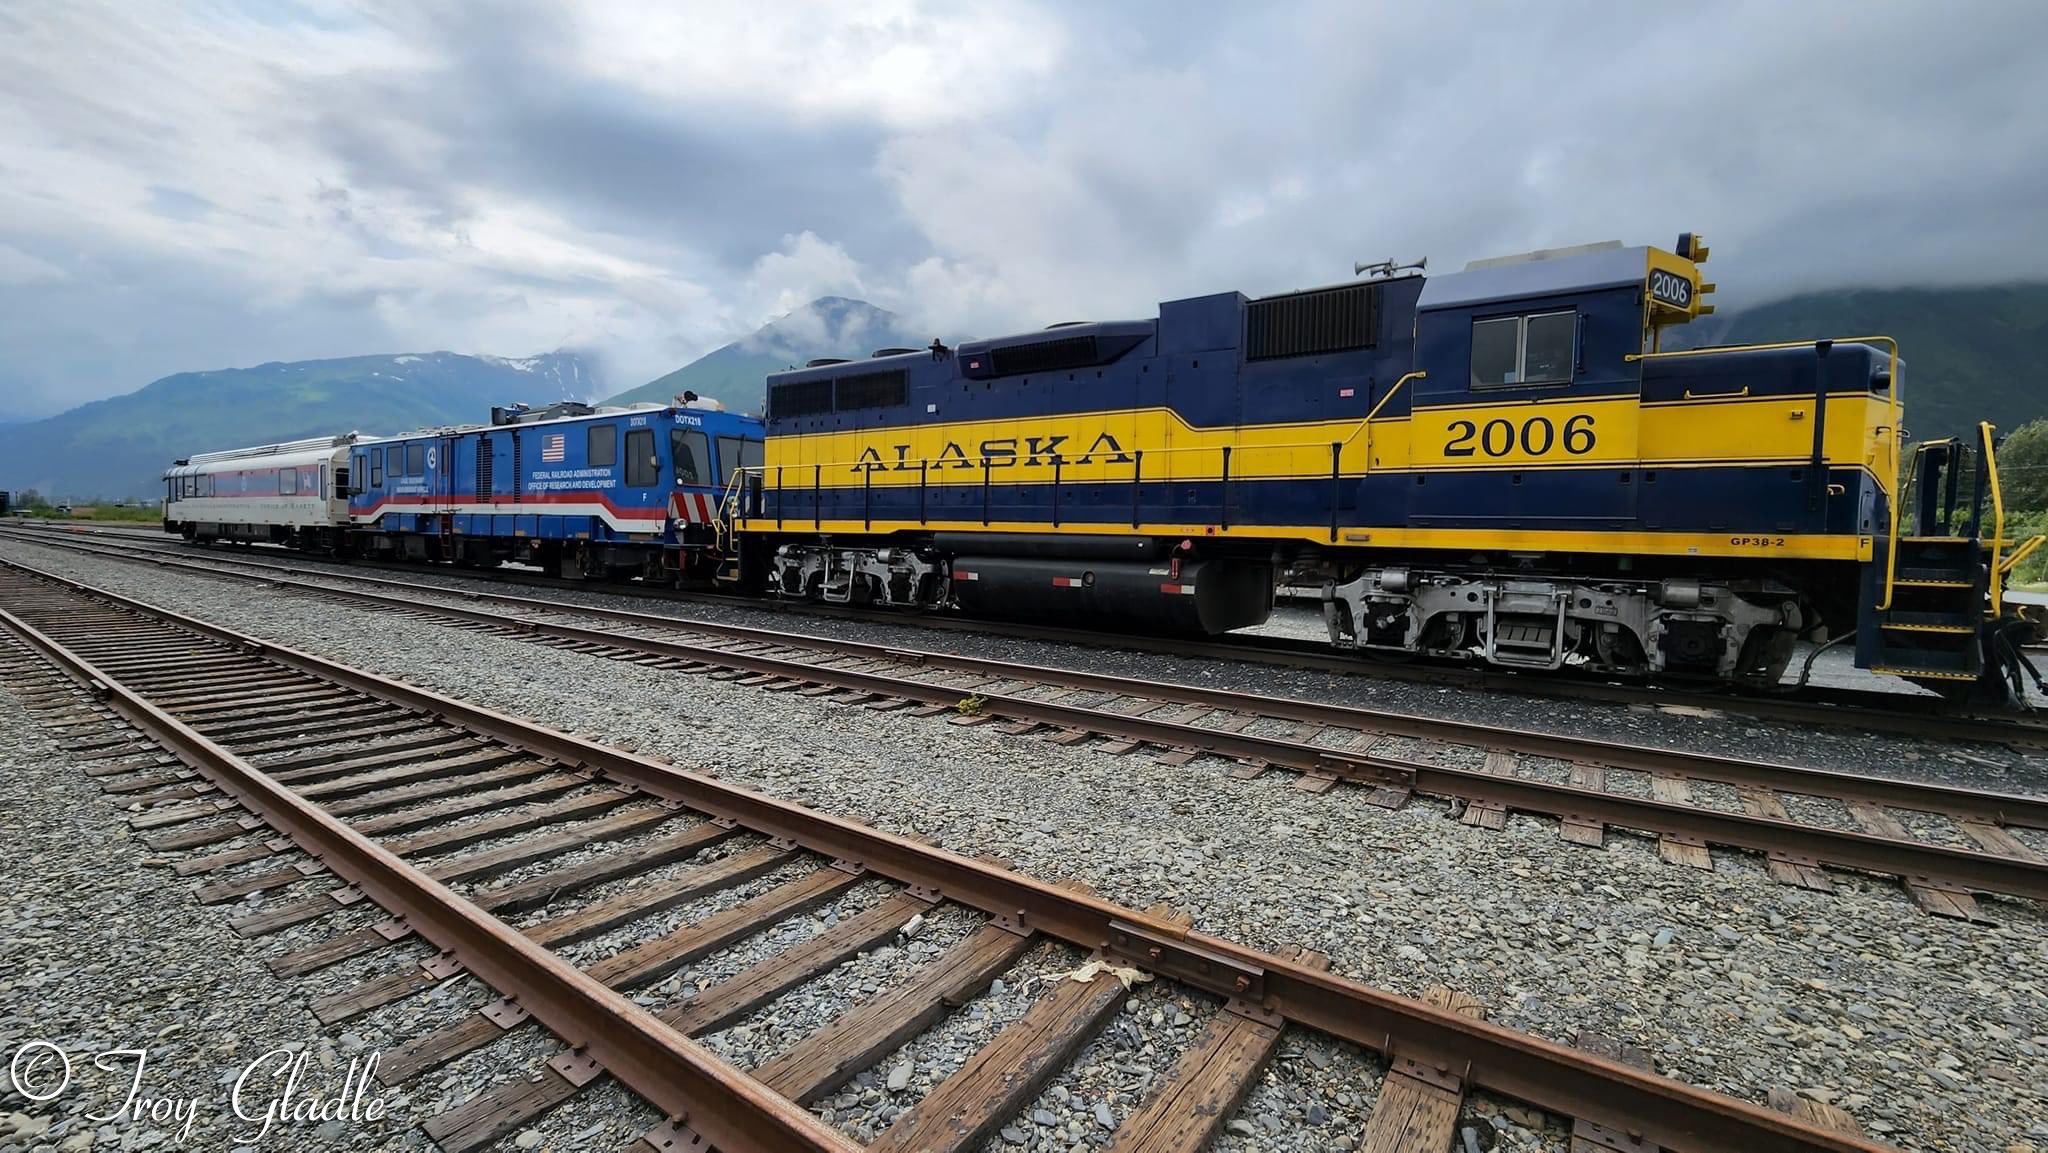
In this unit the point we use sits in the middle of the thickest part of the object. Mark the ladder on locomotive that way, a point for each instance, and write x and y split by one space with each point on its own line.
726 526
1946 587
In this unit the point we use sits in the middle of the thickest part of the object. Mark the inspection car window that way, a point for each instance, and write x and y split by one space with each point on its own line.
692 453
604 445
642 466
1511 351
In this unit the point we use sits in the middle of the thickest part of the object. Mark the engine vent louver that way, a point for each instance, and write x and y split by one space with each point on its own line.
1044 356
800 398
872 390
1306 323
840 393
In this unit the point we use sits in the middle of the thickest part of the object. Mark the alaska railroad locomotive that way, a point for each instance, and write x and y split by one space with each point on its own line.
1503 464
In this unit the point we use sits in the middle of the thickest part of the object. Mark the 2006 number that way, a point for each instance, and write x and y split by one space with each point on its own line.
1536 437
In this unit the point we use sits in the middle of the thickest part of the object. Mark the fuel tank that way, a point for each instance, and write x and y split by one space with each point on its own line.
1205 596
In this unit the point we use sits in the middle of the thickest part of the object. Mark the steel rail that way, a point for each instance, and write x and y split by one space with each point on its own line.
1909 859
1558 1079
1998 808
1867 710
730 1109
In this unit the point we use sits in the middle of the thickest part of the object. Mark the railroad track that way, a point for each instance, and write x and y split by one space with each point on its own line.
1946 845
1917 714
416 827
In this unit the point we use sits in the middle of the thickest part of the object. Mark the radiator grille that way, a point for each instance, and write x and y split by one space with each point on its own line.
1044 356
483 467
871 390
1306 323
800 398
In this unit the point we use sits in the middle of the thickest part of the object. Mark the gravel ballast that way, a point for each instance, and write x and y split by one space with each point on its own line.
1933 1034
102 948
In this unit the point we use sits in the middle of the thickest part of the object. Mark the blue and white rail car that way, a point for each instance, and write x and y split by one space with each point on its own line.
291 494
581 492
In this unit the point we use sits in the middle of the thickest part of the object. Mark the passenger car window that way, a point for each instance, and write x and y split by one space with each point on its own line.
287 482
604 446
692 453
642 466
415 460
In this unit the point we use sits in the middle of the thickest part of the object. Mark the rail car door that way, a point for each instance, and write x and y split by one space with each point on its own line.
441 470
1530 417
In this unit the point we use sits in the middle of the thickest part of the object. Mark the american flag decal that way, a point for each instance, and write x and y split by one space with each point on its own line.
552 449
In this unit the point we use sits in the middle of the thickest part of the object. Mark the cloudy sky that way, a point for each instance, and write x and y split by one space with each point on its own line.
212 184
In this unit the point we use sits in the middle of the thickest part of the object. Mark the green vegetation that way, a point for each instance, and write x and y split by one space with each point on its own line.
1971 353
2023 481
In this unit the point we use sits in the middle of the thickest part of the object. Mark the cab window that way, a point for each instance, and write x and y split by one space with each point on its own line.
692 454
416 460
642 466
376 469
736 452
604 446
1520 351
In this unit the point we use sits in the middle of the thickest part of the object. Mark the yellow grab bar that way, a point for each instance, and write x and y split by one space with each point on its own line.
1997 518
2021 553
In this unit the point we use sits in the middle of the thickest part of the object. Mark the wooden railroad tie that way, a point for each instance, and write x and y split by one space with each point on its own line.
1418 1103
1940 900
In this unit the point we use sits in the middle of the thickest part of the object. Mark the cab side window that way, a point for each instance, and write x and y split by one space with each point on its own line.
734 453
376 469
604 446
1522 351
693 456
642 466
416 460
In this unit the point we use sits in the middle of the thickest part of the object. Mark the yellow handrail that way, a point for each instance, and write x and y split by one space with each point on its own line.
729 508
2021 553
1997 517
1291 446
1898 493
1366 424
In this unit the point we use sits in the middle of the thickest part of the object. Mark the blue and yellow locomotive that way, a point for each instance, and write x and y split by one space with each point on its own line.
1500 464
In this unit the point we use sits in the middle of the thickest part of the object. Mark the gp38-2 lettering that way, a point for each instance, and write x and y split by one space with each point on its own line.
1536 436
1757 541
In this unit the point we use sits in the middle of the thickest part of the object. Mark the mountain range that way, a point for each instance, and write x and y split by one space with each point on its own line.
827 326
119 447
1972 353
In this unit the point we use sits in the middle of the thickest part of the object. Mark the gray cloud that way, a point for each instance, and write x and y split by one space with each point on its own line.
196 189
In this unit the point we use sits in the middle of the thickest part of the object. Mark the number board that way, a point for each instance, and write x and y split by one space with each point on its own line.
1565 434
1670 288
